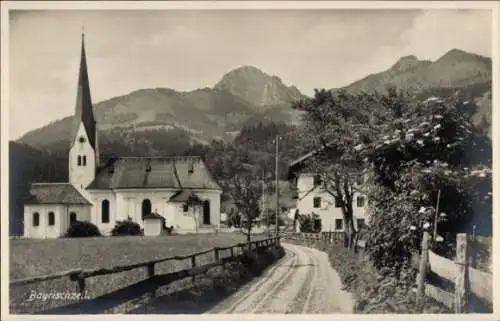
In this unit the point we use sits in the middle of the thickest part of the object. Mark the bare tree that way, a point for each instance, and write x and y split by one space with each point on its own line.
194 202
246 190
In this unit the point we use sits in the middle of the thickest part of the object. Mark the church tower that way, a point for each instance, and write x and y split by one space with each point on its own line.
83 150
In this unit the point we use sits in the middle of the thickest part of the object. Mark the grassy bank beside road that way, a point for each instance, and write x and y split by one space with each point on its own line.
374 291
40 257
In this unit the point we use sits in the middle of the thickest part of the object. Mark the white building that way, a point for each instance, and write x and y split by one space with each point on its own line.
122 187
312 198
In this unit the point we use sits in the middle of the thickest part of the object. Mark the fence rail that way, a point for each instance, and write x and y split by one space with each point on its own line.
465 279
332 237
147 286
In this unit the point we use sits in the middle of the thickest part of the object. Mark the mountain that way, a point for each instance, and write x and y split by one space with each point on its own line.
455 70
205 114
253 85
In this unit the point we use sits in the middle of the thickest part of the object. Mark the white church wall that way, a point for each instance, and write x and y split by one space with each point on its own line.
81 176
82 213
97 197
43 230
185 221
129 203
214 198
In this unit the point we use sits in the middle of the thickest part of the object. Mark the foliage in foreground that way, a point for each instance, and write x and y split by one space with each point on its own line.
408 151
82 229
126 227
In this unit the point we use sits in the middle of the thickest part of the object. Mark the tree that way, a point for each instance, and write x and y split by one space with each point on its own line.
194 202
430 148
245 192
337 124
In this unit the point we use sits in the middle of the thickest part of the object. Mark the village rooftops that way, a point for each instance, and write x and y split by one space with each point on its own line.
55 193
182 172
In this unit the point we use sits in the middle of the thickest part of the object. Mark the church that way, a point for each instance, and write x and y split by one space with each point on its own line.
152 191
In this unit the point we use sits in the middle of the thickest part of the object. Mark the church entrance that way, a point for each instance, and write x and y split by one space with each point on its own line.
206 213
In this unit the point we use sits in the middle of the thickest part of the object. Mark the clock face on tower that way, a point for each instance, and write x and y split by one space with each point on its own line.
81 139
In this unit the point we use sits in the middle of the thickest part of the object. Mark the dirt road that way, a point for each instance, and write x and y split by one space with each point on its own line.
301 282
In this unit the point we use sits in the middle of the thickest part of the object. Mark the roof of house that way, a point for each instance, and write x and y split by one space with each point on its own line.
185 172
300 162
182 196
296 164
55 193
154 216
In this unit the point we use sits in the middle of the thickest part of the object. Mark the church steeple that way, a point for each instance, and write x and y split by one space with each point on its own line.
83 110
84 148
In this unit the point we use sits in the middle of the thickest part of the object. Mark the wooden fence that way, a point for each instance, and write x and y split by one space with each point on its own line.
452 283
331 237
147 286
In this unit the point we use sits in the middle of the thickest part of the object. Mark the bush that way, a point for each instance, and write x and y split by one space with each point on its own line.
310 224
82 229
126 227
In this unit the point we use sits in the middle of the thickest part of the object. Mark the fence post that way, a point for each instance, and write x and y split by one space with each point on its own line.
216 254
81 287
193 265
462 277
80 282
474 248
422 273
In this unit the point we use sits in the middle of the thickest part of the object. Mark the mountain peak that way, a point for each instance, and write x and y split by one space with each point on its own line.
253 85
407 63
457 55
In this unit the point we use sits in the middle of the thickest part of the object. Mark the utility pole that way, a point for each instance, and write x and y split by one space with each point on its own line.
277 183
263 195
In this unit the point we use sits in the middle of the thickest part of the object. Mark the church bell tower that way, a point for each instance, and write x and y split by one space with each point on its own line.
83 151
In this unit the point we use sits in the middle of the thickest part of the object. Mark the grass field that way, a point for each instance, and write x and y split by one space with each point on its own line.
40 257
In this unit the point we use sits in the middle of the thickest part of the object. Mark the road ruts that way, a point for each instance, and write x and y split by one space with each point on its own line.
301 282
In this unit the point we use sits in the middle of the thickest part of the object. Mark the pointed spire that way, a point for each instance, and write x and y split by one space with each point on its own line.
83 109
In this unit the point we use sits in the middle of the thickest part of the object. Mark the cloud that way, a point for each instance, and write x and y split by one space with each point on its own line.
185 50
435 32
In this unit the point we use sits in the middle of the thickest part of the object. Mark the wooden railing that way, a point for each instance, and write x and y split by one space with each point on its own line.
452 282
148 285
331 237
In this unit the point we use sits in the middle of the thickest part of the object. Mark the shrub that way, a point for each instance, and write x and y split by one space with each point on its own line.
82 229
126 227
310 224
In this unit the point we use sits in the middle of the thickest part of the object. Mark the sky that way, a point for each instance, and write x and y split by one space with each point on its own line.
186 50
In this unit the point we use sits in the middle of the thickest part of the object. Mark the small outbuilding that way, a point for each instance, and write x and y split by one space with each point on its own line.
153 224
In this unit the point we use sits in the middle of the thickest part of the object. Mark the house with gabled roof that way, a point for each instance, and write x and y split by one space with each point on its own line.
313 199
140 188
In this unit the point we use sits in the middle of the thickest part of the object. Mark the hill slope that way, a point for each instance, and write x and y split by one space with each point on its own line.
205 114
456 70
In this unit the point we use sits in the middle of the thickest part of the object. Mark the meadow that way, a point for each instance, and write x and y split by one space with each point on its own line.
39 257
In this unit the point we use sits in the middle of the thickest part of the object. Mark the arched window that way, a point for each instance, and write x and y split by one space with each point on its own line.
206 213
146 207
79 160
72 218
36 219
84 160
52 218
105 211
